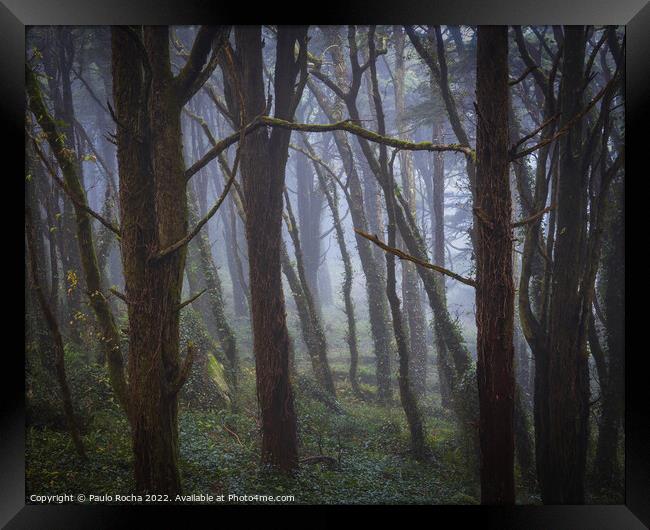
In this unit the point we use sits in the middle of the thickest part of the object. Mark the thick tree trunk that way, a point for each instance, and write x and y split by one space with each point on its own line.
494 282
565 417
148 101
263 163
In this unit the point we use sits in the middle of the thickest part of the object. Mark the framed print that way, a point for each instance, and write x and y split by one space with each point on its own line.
377 263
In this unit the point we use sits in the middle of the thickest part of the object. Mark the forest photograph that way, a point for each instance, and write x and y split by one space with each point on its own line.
342 264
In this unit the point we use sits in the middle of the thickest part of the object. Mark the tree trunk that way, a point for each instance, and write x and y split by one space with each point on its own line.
494 282
58 57
408 397
263 163
36 278
309 316
310 205
101 308
328 188
154 217
214 293
371 264
607 470
410 283
564 425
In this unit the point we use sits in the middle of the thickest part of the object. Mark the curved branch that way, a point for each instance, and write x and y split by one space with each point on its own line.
533 217
77 202
190 300
184 241
403 255
193 75
351 127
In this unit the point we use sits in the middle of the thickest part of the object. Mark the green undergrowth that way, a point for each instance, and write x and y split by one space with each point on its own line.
367 444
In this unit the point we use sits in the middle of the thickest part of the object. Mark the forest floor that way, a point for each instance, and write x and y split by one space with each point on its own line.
368 445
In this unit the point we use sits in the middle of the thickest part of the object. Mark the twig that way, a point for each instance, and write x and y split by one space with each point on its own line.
233 433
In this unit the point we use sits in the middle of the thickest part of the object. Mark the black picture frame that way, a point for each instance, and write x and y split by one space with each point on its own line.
16 14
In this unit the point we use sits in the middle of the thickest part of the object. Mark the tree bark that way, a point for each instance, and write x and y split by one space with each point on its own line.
328 188
214 294
607 470
408 397
372 268
263 163
148 102
494 289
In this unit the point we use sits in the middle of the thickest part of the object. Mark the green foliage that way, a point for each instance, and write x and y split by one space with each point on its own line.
220 449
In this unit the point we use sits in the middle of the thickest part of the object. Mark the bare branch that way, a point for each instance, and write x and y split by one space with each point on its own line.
188 302
351 127
193 75
220 147
184 241
404 256
184 372
120 295
523 76
533 133
533 217
78 203
568 125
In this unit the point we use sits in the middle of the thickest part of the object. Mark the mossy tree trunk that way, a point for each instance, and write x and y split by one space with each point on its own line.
110 339
148 101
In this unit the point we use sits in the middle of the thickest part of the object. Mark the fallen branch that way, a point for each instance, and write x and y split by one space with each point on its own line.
404 256
234 434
